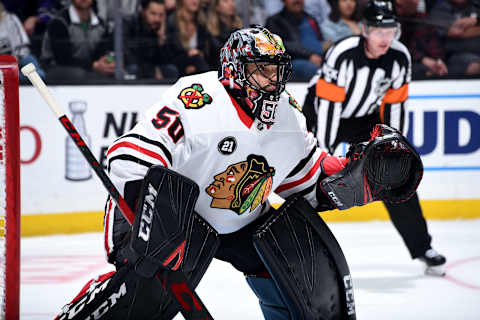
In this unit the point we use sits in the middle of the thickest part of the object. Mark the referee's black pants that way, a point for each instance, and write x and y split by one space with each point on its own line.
407 217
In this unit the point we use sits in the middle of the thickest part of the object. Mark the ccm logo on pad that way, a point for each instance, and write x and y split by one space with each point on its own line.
147 214
334 198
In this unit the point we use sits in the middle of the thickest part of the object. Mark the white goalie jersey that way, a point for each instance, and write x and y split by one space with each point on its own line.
199 131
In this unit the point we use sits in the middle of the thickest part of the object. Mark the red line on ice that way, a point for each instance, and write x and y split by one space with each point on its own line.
455 280
58 269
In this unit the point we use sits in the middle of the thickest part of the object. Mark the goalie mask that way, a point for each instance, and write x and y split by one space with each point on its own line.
252 53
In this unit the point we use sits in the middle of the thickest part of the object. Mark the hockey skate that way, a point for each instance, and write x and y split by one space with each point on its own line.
435 263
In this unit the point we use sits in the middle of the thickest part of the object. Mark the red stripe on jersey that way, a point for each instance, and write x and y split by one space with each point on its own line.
125 144
242 114
309 175
106 234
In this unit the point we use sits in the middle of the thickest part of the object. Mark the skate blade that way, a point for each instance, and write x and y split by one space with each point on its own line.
438 271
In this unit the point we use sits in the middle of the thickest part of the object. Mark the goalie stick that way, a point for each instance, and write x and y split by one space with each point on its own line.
194 309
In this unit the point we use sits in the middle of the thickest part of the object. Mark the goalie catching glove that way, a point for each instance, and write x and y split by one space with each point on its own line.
384 168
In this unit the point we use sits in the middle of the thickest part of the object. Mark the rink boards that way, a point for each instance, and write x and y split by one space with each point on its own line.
61 194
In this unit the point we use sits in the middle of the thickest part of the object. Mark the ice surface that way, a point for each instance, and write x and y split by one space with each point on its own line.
387 283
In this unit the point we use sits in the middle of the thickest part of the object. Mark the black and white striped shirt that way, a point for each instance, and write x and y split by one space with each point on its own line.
349 85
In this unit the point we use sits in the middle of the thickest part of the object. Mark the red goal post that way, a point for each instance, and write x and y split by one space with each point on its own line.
9 190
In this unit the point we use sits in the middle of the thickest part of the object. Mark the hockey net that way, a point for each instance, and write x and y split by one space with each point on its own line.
9 190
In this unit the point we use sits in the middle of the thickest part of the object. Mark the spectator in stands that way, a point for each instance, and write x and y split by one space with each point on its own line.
205 6
319 9
421 40
457 22
106 10
190 38
31 12
76 44
147 53
252 11
14 41
343 20
302 38
170 6
35 15
21 8
427 5
222 19
272 7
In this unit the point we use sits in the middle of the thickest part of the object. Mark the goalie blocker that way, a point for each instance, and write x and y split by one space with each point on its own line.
387 168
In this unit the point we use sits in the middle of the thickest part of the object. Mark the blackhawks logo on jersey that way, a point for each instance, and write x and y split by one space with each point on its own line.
243 185
193 97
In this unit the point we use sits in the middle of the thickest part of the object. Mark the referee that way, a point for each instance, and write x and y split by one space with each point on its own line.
364 81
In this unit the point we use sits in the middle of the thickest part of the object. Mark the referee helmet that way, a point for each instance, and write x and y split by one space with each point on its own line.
380 13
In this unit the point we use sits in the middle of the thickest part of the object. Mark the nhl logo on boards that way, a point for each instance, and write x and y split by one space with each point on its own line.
227 145
193 97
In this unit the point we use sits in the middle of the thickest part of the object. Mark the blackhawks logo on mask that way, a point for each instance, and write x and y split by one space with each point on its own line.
242 186
193 97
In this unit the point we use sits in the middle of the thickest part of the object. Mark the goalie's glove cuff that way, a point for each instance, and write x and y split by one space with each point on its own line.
385 168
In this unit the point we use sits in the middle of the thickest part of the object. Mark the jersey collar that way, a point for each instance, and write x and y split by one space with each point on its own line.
244 113
244 117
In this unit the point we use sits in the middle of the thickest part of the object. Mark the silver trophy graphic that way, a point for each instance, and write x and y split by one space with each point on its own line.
76 167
